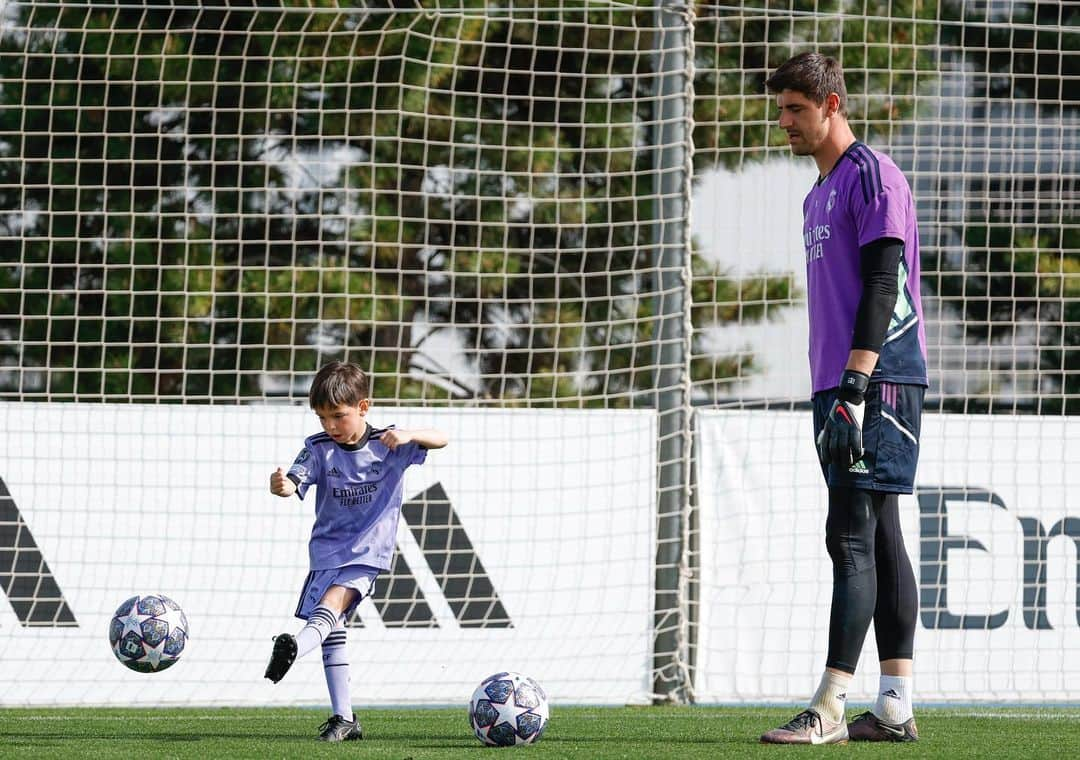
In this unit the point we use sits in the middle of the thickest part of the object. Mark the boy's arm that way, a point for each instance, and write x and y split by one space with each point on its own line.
281 484
428 439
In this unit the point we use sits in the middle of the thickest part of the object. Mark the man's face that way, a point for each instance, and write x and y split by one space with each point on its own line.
806 122
344 423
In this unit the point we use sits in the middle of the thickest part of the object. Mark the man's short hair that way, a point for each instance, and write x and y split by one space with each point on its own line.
814 75
336 384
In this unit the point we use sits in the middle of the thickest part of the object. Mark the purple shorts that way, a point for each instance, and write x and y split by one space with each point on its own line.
360 577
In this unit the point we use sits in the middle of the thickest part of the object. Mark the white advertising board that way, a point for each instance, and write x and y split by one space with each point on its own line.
108 501
992 533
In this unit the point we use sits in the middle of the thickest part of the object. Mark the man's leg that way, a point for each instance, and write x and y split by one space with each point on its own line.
895 619
849 536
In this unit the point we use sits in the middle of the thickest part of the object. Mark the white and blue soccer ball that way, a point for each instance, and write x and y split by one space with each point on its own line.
508 709
148 633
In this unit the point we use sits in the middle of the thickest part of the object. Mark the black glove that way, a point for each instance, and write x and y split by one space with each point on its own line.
840 440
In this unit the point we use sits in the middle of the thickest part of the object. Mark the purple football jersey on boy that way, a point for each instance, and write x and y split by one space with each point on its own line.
357 499
864 198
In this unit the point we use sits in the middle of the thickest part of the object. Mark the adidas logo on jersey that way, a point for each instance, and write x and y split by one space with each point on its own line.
859 468
334 473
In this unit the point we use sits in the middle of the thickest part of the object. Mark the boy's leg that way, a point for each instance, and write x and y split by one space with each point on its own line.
342 725
324 618
321 621
336 668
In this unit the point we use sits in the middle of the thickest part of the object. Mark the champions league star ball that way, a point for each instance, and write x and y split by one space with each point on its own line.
508 709
148 633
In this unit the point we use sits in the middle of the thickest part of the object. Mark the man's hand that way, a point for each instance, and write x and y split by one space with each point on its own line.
840 441
280 485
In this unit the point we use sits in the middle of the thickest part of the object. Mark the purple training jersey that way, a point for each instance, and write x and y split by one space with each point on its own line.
864 198
357 499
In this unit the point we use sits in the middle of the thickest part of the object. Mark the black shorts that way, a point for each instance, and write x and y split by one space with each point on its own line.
891 423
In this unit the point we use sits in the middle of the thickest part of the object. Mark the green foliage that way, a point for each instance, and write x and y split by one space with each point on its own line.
885 54
222 194
207 197
1017 278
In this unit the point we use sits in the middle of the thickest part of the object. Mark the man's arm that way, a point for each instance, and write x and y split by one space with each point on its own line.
878 264
840 441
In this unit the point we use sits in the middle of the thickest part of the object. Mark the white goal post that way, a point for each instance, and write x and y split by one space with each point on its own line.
566 231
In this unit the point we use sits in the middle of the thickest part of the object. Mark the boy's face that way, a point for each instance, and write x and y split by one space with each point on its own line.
344 423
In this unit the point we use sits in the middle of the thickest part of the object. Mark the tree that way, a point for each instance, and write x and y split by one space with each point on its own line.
1014 276
1010 273
179 239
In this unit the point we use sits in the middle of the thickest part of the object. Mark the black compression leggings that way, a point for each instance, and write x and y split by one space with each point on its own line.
872 578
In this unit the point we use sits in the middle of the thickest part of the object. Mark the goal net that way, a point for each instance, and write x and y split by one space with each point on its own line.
484 208
977 103
566 233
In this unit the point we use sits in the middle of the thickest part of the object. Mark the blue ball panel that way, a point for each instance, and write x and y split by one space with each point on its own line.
503 734
154 631
528 725
151 605
131 646
175 643
499 691
485 714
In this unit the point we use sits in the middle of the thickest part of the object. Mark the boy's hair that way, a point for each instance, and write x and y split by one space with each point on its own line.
814 75
338 383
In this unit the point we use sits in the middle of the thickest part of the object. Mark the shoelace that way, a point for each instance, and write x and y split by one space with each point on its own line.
805 719
332 721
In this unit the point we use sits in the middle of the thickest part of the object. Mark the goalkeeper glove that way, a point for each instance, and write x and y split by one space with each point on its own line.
840 441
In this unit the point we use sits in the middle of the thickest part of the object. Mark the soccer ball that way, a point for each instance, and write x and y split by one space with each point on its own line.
148 633
508 709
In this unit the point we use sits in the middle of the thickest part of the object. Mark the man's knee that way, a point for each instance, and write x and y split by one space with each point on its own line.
849 531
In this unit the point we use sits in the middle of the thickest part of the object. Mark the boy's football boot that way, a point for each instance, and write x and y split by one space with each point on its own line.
337 729
282 658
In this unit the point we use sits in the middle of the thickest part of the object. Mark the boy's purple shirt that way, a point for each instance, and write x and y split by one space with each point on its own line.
357 498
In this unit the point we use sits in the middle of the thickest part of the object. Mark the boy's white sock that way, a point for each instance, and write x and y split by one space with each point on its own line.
830 699
319 624
336 666
894 699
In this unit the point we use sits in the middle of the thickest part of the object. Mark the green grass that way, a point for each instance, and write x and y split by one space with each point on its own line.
574 732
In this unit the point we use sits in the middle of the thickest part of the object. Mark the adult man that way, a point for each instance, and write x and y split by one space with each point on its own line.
868 368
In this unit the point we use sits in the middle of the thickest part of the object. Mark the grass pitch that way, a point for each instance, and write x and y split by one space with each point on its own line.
590 733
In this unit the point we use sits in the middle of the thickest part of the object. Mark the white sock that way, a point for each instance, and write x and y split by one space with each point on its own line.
830 699
894 699
319 624
336 667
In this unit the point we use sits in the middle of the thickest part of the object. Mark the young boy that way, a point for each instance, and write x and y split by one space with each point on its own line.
358 471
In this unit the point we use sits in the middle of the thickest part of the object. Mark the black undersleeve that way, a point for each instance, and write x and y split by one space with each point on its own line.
878 265
872 578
